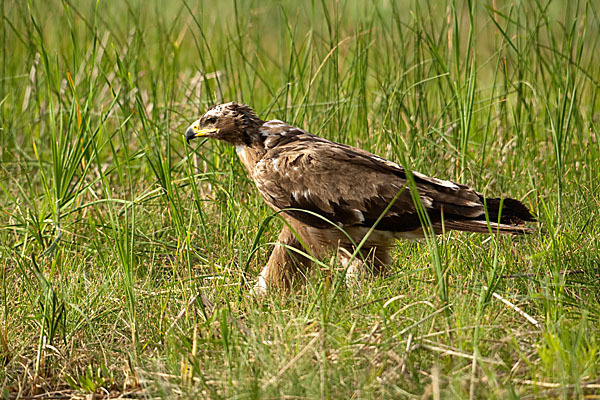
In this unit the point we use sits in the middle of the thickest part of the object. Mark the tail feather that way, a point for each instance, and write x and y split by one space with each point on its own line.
513 211
512 218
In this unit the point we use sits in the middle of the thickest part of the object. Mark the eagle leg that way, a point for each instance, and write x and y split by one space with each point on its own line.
284 265
376 259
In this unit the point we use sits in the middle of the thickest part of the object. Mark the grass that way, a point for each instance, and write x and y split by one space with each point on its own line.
126 257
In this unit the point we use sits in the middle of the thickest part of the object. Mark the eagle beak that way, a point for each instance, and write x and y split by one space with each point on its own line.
195 131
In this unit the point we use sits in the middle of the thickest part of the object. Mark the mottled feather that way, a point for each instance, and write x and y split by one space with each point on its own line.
316 183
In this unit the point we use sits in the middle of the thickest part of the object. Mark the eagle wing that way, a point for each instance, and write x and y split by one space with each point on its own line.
351 187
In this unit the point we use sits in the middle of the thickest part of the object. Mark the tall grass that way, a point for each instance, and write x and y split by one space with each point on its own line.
126 256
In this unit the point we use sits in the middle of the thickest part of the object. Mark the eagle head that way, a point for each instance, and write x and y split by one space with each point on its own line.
234 123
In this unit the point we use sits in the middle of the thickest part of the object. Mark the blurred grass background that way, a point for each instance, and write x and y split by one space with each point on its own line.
126 257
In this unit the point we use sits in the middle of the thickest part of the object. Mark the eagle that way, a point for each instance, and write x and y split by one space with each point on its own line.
334 196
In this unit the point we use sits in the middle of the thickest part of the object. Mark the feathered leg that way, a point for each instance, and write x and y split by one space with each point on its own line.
377 258
284 265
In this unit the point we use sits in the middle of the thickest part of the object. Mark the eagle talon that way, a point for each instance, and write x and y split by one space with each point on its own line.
259 289
355 269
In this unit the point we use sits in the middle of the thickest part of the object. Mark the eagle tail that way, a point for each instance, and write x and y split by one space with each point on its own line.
511 217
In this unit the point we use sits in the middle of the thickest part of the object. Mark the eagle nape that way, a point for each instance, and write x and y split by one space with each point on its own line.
311 180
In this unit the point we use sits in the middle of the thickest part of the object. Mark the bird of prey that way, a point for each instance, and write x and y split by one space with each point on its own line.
332 194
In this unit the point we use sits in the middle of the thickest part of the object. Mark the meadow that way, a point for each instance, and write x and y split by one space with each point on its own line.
126 257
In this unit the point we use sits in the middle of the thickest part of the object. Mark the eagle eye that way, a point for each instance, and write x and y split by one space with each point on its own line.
211 120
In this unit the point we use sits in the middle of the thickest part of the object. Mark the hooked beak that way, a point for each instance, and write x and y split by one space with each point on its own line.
195 131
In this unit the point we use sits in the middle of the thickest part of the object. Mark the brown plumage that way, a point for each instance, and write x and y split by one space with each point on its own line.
317 183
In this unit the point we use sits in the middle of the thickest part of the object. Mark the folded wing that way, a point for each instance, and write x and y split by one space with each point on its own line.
351 187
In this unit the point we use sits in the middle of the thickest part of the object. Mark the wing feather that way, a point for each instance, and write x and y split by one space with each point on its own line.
352 187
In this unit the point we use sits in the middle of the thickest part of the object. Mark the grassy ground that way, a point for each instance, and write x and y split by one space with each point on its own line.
126 257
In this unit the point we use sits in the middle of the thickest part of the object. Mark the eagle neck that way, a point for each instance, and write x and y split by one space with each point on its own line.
250 154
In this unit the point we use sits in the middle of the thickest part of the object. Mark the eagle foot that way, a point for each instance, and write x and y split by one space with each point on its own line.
260 289
355 268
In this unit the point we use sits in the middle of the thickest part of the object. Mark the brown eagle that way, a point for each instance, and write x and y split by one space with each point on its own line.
332 194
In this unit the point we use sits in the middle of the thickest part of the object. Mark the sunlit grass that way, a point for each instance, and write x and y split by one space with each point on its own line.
126 256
